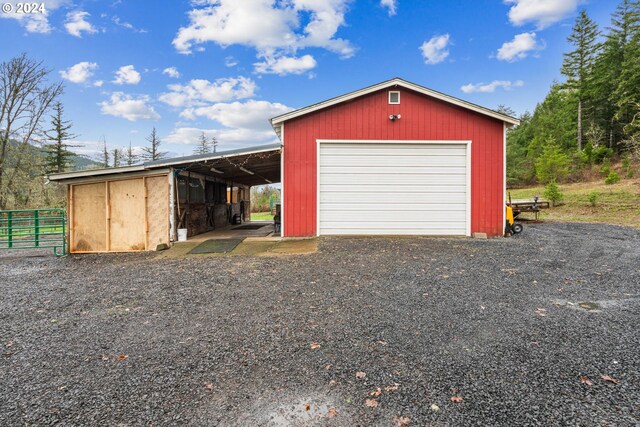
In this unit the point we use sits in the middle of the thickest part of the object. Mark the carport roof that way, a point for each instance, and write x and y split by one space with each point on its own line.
249 166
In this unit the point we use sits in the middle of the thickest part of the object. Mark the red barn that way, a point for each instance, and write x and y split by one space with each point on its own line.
390 159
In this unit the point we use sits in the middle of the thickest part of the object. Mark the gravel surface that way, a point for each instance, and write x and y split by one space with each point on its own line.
497 325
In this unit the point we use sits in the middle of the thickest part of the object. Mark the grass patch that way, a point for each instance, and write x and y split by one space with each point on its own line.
617 203
261 216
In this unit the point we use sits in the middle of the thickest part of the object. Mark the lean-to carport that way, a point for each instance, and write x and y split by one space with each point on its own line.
141 207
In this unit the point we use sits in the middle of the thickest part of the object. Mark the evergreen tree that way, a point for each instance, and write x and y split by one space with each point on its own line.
117 154
131 158
204 145
105 155
578 64
214 144
57 153
153 152
622 47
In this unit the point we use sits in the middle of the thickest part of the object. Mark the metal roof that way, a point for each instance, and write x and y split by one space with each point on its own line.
278 120
199 162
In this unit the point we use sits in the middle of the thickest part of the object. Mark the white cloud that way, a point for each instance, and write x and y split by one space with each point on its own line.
129 26
127 74
230 61
390 5
274 28
76 23
519 47
228 139
491 87
98 83
285 65
542 13
129 107
198 92
33 22
79 73
171 72
251 114
435 50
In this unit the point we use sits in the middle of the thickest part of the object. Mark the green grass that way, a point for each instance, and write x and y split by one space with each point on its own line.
615 204
261 216
29 231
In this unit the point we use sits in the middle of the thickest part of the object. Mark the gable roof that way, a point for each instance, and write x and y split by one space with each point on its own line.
277 121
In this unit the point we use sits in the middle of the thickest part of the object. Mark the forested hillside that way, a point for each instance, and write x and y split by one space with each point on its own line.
590 120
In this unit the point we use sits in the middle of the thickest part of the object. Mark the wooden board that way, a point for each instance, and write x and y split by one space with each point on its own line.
127 215
157 211
88 215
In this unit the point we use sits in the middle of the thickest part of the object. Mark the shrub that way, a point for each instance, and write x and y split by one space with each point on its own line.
612 178
553 163
601 154
630 173
593 197
605 170
552 193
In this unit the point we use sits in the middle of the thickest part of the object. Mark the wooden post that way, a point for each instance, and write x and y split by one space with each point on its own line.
146 213
107 217
70 227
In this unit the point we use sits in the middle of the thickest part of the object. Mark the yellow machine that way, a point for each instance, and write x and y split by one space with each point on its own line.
510 226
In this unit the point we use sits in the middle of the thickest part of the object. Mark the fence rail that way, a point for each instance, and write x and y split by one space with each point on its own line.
34 228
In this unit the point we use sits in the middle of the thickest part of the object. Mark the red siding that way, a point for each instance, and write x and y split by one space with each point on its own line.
367 117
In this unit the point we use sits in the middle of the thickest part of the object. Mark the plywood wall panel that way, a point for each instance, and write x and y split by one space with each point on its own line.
88 231
127 215
157 211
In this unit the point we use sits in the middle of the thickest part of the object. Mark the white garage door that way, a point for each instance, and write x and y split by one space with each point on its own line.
393 188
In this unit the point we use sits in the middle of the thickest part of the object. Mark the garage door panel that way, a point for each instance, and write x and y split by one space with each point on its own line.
394 150
398 161
392 188
395 170
401 199
392 207
432 180
394 217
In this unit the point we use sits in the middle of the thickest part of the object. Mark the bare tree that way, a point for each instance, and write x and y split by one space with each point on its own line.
117 154
25 97
153 152
105 154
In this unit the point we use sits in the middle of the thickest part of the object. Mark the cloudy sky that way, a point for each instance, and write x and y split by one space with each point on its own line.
225 66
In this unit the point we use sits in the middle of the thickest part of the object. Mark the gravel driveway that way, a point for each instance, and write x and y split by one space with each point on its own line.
370 331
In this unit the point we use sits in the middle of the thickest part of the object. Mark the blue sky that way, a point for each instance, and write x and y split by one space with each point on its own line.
225 66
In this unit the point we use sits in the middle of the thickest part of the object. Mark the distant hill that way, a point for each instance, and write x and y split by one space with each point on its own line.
78 162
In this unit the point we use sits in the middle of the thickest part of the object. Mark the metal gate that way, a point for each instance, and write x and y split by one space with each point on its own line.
34 228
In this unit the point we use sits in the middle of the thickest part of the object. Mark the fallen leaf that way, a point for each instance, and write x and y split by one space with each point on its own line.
371 403
541 312
382 342
392 387
307 406
333 382
375 393
315 346
328 367
401 421
456 399
121 357
360 375
609 379
585 380
332 412
435 408
208 386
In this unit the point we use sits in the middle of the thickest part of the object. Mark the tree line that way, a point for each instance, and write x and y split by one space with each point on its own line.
592 118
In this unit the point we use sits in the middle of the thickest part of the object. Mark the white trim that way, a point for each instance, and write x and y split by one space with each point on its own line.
282 181
469 188
468 144
387 84
389 97
172 208
112 177
504 176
